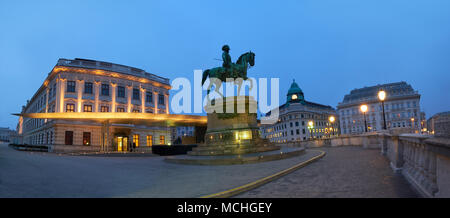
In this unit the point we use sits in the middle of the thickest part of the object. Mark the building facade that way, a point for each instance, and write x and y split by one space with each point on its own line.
5 134
401 106
301 120
439 124
82 85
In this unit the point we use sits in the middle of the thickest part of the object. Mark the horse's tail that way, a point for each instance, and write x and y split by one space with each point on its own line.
205 75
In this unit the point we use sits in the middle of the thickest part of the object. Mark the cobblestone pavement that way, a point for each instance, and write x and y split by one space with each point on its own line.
343 172
28 174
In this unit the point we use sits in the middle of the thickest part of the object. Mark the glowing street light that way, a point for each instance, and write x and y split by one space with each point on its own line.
332 119
310 127
382 97
364 110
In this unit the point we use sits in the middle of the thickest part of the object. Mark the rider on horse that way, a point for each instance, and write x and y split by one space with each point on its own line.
227 64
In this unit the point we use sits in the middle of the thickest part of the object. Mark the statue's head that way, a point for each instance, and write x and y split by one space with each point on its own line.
252 58
226 48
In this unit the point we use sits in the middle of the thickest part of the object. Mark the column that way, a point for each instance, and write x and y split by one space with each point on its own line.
46 102
47 91
129 92
155 101
113 97
79 86
97 93
142 100
58 94
61 94
166 102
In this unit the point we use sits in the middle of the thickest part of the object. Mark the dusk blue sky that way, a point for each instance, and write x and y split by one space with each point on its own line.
328 47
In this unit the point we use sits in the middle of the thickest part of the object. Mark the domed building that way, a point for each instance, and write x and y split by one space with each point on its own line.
301 120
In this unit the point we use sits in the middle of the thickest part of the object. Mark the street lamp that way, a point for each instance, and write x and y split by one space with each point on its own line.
382 97
332 119
412 122
364 110
310 127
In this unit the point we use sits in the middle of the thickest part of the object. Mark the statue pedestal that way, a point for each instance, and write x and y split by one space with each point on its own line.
232 133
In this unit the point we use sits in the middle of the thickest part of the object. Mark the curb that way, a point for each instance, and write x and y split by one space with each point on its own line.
260 182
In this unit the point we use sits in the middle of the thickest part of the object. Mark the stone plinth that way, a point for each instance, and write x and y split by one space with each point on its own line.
231 133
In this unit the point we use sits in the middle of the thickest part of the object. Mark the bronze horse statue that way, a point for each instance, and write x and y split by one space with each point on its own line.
237 70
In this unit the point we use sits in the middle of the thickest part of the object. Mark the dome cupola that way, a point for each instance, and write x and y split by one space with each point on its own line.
295 94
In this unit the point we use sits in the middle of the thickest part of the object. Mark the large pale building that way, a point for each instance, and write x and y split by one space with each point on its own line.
301 120
82 85
402 109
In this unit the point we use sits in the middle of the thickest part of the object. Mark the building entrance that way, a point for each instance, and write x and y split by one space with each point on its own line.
122 143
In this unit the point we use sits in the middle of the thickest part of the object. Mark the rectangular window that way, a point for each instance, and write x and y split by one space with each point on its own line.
105 89
149 97
86 138
136 140
120 91
88 88
135 94
120 109
70 107
149 140
104 109
162 140
87 108
68 138
70 86
161 99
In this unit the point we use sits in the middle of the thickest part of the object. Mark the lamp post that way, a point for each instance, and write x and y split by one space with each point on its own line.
332 119
364 110
412 123
382 97
310 127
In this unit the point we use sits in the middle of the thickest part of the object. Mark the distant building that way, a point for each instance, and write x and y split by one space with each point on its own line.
82 85
296 115
402 108
182 131
5 134
439 124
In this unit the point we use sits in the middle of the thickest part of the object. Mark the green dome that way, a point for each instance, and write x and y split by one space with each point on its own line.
295 94
295 89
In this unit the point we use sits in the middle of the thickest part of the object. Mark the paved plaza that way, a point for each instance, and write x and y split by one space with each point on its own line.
27 174
343 172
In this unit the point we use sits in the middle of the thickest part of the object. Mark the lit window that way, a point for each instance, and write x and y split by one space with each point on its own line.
70 107
162 140
87 108
136 140
149 140
120 109
104 109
